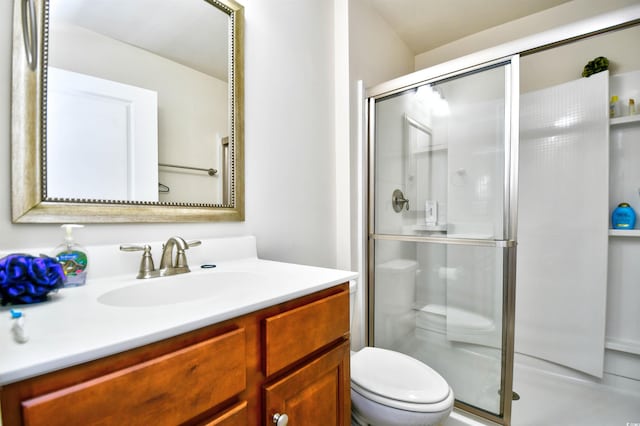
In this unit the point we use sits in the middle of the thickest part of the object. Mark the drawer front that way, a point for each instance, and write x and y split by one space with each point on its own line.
234 416
294 334
169 389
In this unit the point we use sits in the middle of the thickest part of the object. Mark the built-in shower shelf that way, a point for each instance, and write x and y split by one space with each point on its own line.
430 228
624 232
627 346
624 120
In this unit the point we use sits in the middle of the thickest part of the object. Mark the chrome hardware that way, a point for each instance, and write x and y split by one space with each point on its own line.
29 33
210 172
280 419
147 269
168 264
398 201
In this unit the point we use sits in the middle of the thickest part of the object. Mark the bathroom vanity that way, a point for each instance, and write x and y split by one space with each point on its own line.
272 345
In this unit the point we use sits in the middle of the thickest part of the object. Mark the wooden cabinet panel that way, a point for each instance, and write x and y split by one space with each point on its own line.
317 394
213 376
292 335
234 416
166 390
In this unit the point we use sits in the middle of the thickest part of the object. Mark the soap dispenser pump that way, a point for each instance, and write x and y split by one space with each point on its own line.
72 257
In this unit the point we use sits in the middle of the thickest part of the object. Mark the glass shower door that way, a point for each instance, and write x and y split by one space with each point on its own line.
441 245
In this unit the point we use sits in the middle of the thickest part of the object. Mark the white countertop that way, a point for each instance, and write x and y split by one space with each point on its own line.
74 327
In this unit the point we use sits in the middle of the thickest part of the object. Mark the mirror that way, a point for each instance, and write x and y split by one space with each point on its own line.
127 111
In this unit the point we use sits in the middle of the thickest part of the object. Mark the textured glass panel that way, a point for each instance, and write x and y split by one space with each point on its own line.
442 304
442 146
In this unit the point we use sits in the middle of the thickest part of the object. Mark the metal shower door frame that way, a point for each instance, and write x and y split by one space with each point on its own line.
508 241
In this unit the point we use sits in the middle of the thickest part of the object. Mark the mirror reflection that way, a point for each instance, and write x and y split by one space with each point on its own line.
137 101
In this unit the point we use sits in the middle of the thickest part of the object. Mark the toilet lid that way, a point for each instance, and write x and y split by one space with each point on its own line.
397 376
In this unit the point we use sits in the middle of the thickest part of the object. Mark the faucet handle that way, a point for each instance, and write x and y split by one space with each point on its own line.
181 257
133 247
146 264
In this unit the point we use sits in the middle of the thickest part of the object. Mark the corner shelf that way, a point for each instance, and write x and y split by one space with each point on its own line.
625 120
620 345
624 232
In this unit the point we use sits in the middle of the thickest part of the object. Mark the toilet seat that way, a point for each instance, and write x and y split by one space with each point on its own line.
399 381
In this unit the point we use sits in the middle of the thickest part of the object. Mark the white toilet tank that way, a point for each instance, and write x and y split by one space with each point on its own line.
395 294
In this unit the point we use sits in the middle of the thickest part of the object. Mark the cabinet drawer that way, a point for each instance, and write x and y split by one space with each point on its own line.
292 335
234 416
169 389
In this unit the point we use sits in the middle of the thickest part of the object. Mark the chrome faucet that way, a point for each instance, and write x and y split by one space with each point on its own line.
168 264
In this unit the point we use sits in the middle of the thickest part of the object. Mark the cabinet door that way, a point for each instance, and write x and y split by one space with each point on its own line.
315 394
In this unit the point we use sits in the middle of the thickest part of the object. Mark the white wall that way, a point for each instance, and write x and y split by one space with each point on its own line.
376 54
289 151
565 63
563 14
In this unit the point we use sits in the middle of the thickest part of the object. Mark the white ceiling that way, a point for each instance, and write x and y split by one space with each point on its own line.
195 34
426 24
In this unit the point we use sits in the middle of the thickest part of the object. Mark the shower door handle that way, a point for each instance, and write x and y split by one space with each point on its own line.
398 201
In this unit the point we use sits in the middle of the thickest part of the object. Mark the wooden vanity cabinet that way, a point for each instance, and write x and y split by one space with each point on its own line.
307 363
291 357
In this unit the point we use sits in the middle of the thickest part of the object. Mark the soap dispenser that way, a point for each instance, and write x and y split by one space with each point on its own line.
72 257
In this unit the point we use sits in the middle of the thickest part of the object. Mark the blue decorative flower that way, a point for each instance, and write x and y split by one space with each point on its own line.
28 279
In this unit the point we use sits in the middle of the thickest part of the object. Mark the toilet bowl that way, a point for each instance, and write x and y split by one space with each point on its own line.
390 388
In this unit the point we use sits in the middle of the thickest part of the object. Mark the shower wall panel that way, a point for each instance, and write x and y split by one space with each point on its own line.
563 223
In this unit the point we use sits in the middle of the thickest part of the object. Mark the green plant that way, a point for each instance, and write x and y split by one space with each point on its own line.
597 65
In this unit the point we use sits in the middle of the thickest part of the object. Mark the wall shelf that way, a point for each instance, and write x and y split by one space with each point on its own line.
624 232
619 345
625 120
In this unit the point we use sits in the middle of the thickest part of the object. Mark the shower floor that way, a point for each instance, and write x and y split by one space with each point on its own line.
550 395
549 399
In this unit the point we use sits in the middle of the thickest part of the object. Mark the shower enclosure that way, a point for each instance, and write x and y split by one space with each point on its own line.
451 155
442 228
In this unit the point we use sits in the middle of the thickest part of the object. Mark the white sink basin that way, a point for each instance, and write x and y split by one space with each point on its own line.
189 287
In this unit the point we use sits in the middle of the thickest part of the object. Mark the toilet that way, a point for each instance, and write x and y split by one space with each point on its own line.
390 388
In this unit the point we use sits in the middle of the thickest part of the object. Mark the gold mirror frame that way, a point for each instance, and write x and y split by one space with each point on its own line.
28 127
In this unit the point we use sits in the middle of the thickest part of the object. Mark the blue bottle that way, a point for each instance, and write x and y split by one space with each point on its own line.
623 217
